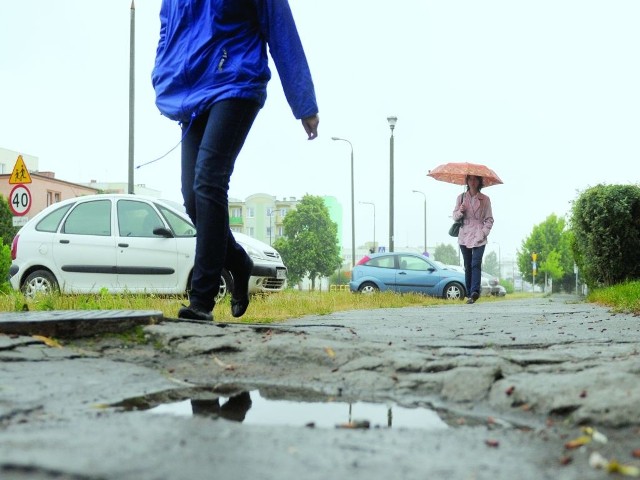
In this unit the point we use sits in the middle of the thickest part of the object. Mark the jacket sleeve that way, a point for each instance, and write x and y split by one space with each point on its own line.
457 214
279 30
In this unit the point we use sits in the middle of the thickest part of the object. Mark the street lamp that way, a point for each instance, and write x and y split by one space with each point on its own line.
392 124
425 217
270 215
374 221
353 218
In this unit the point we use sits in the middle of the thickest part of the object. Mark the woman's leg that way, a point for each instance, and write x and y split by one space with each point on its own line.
476 269
466 260
219 136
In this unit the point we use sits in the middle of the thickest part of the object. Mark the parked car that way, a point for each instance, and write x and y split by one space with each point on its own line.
404 273
124 243
490 286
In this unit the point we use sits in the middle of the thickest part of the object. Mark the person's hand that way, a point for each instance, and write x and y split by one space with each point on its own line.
310 125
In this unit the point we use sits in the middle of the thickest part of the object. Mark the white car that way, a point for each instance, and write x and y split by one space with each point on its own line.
122 243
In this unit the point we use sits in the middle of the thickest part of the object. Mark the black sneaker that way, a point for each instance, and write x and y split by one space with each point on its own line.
473 298
240 294
193 313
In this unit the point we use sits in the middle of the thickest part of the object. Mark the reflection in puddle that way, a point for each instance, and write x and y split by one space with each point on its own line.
252 408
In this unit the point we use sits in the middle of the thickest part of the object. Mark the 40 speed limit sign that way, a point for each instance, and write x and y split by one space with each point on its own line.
20 200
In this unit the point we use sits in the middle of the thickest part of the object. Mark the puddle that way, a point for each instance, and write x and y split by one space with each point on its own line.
251 408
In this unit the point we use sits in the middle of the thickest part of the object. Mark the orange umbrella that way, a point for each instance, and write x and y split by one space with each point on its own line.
456 172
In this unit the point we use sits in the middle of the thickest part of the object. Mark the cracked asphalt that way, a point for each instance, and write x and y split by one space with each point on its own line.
515 381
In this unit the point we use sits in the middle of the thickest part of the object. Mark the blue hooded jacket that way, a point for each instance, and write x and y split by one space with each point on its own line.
211 50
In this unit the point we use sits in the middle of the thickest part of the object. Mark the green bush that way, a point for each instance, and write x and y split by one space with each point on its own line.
5 263
605 224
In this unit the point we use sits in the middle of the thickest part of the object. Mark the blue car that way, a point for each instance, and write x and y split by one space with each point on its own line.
406 273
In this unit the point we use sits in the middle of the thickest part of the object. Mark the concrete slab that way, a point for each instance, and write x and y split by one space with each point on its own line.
75 323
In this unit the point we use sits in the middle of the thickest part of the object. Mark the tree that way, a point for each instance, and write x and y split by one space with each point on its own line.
551 242
605 223
310 243
7 230
490 264
446 254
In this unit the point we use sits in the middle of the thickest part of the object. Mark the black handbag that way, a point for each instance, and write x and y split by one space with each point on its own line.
455 228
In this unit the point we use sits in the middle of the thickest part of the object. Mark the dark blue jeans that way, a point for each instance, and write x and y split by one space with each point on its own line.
211 144
472 258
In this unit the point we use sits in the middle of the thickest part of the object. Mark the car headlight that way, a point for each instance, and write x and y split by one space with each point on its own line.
253 252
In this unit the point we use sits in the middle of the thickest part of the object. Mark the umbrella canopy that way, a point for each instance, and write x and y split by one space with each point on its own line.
456 172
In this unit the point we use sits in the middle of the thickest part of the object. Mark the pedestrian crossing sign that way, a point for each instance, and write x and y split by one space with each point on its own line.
20 173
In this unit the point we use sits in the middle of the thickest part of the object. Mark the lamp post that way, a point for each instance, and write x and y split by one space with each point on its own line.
392 124
374 221
353 213
425 217
270 214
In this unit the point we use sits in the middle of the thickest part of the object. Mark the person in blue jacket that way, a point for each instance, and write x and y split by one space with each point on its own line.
211 73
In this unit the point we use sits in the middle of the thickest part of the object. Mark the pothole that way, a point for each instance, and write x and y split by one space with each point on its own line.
252 408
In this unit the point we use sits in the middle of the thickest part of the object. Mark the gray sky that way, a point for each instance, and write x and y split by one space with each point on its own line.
546 93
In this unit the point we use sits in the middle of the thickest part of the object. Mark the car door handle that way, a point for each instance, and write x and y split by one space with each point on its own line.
65 241
402 273
123 245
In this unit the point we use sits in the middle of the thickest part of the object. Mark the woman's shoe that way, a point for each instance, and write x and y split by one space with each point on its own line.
473 298
240 294
194 313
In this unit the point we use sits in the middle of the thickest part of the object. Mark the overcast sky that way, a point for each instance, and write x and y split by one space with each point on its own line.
546 93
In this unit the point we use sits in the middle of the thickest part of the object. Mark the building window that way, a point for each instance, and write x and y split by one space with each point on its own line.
280 231
251 213
53 197
236 212
283 212
250 231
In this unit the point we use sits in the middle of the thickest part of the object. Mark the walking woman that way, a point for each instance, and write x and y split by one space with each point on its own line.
475 208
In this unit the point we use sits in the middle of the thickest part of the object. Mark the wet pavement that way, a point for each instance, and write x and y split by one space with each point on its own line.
508 384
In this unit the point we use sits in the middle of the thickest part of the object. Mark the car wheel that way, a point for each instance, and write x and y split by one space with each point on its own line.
226 285
368 287
40 282
453 291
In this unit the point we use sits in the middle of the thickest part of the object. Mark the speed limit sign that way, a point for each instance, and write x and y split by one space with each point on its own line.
20 200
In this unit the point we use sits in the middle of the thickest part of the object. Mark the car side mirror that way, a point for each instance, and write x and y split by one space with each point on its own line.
163 232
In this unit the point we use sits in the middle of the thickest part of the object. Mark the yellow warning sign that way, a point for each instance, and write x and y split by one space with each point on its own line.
20 173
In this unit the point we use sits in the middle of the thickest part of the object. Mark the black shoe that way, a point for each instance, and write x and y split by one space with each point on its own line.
240 294
193 313
473 298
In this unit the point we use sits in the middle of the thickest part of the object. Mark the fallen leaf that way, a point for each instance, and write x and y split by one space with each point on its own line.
329 351
583 394
226 366
509 390
595 434
577 442
636 453
565 460
50 342
355 424
492 443
628 470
